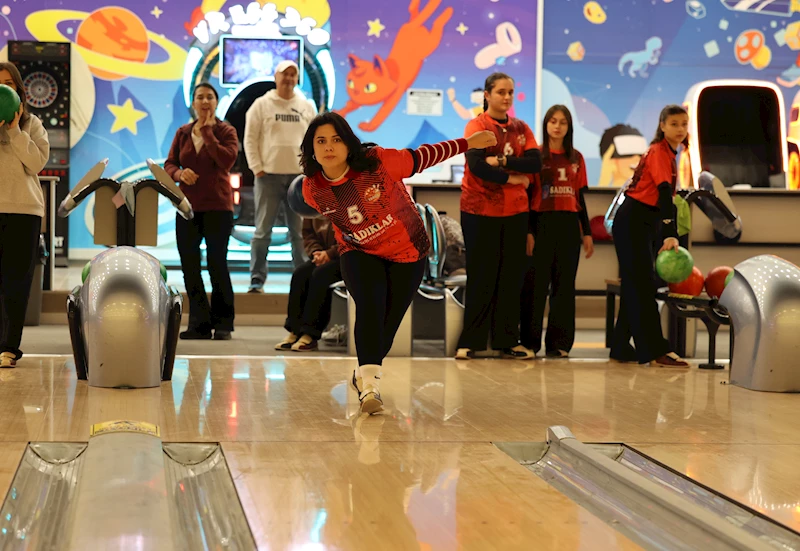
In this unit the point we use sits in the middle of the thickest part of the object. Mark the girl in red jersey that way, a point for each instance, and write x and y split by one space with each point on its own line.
558 215
382 239
647 210
494 217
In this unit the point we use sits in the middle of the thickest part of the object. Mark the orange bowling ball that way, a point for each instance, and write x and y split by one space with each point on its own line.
715 281
692 285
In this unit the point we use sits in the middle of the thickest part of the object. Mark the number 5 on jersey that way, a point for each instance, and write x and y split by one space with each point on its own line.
354 215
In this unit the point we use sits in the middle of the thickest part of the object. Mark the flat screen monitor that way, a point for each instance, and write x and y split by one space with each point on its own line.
243 59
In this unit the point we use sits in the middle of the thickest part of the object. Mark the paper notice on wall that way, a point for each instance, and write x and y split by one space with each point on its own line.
429 103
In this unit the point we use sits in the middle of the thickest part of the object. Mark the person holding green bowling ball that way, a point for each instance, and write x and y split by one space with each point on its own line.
24 150
647 211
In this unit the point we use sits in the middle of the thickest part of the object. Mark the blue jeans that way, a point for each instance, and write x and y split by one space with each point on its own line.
269 192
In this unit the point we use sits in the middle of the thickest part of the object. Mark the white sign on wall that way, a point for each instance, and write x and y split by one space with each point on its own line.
429 103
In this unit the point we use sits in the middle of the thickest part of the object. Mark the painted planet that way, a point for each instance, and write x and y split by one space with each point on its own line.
114 32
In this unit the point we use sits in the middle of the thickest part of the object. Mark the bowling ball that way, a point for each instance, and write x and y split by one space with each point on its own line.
598 227
297 203
85 272
674 266
692 285
9 103
728 278
715 280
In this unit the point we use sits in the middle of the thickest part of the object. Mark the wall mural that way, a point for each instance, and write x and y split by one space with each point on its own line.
403 73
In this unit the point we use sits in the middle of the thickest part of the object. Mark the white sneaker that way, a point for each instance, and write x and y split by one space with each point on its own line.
8 359
464 354
371 401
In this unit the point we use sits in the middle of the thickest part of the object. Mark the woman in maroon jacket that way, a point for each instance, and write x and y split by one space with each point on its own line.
200 159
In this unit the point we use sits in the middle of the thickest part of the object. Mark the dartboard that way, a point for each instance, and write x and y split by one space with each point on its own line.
42 89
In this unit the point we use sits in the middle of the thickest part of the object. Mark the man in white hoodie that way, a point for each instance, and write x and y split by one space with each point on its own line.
274 129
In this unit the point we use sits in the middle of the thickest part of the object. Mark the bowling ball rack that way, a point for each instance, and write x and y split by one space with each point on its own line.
707 310
681 307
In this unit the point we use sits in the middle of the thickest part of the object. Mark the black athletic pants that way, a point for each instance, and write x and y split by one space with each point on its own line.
215 227
310 298
553 268
636 227
19 245
382 291
495 270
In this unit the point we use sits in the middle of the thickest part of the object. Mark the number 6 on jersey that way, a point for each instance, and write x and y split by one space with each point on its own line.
354 215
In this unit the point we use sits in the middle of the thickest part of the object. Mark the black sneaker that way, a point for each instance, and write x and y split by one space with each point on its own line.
518 352
195 335
222 335
256 286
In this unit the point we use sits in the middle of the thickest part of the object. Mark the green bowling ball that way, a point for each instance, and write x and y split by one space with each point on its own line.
728 278
674 266
9 103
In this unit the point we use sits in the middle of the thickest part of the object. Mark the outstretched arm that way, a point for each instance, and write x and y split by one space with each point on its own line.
407 162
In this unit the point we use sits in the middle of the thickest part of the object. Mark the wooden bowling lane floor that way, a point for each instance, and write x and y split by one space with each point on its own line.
313 474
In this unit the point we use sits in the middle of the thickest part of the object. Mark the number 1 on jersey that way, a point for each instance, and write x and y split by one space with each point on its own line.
562 174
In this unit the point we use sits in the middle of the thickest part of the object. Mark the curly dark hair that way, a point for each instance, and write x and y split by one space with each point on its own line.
358 156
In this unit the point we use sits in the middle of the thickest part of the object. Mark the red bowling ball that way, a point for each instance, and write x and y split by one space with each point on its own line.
598 227
692 285
715 281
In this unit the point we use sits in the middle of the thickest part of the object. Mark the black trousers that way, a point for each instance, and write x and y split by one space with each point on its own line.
495 270
552 272
636 228
382 291
215 227
310 298
19 245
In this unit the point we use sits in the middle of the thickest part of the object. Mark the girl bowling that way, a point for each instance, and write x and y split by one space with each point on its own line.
646 216
382 241
558 217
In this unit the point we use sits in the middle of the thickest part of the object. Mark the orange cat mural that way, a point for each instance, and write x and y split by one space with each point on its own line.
386 81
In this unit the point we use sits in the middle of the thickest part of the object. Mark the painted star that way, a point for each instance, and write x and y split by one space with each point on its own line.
375 28
462 28
125 116
157 12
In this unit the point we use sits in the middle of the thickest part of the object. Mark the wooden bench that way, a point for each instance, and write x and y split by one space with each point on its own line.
680 307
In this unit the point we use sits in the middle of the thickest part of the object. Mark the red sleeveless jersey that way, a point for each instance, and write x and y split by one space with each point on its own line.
371 211
484 198
559 183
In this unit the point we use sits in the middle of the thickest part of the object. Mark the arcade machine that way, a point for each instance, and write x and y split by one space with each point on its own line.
45 70
738 133
239 50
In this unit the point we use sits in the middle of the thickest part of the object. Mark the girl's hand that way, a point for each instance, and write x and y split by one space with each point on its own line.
482 140
530 245
670 243
492 161
189 176
588 246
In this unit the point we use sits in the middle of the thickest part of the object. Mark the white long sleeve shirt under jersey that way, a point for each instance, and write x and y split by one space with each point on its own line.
274 129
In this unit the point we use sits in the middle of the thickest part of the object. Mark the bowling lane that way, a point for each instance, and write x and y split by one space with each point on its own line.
369 494
10 456
762 477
